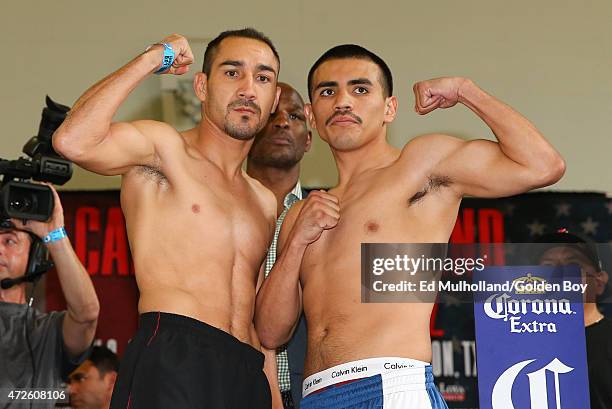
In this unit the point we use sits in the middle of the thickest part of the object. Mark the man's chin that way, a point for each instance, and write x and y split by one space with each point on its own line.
279 162
242 133
76 405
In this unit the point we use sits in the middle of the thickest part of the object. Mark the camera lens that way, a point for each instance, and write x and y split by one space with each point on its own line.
24 200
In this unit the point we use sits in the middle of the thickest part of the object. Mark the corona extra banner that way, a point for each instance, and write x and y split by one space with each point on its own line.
530 339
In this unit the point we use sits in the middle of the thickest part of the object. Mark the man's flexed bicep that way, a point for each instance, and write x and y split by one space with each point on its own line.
479 168
521 159
126 144
88 136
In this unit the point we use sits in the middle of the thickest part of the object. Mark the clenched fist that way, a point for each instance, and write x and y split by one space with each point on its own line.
321 211
183 57
437 93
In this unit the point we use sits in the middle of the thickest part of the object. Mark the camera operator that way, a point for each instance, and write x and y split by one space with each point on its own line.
38 350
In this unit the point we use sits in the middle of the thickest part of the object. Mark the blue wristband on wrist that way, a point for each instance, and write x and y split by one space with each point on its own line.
55 235
168 58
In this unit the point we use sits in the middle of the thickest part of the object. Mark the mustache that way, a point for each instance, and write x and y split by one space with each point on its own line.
343 113
244 103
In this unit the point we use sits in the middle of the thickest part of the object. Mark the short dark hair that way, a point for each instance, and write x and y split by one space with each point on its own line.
354 51
104 359
213 46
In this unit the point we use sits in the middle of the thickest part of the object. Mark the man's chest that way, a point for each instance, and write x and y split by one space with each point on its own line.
383 215
204 208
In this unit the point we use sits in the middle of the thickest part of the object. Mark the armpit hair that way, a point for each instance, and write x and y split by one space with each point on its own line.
153 174
434 183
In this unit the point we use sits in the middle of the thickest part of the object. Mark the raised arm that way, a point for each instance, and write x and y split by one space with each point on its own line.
521 159
82 303
279 300
89 138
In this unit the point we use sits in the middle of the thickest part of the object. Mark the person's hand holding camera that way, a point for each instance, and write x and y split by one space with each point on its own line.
42 229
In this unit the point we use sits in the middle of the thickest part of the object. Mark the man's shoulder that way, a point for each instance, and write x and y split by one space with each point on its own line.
431 144
265 195
170 146
155 128
163 135
424 154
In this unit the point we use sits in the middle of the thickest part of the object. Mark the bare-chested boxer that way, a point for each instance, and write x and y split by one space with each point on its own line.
390 195
199 227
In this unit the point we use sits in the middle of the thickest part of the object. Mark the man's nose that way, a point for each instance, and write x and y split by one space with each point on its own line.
343 102
73 387
247 89
281 120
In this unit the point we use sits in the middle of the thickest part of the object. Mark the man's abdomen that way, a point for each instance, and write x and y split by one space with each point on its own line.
338 335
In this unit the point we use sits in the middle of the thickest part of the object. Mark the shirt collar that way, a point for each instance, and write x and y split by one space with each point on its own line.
294 195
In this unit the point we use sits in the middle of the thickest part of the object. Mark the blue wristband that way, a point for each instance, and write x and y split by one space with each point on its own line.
168 58
55 235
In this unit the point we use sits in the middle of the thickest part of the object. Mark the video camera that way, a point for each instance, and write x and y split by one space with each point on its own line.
22 199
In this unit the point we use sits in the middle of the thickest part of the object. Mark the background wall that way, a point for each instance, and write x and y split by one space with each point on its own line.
549 59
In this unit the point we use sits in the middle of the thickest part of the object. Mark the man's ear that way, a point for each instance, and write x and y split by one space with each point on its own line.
200 85
275 105
308 141
309 116
602 282
109 379
390 109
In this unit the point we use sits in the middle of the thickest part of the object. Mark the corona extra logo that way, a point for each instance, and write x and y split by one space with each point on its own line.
501 397
503 307
529 285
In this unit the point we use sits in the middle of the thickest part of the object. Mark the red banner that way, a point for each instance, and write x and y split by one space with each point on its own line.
96 227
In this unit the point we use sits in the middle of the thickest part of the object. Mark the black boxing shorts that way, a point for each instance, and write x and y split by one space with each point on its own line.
176 362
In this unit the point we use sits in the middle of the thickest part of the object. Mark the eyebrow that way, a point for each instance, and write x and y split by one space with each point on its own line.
360 81
325 84
237 63
263 67
234 63
357 81
295 107
10 233
76 376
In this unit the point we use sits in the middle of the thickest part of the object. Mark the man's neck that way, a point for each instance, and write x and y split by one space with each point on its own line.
376 154
280 181
225 152
16 295
591 314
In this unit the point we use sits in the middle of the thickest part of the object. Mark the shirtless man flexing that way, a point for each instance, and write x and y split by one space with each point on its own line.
389 195
199 227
